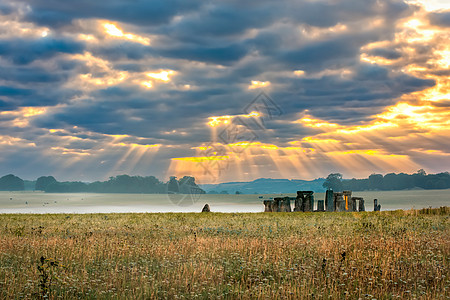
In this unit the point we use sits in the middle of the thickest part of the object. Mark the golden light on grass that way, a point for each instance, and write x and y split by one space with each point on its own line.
394 254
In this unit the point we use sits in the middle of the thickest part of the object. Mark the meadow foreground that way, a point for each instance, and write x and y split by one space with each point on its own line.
387 255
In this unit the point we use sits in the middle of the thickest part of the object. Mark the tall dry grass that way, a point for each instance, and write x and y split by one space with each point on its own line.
387 255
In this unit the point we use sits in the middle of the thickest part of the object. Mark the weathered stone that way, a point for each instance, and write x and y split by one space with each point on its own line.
268 205
352 206
279 201
320 205
277 204
358 204
298 201
347 198
361 205
304 201
206 208
339 202
308 202
286 204
329 203
376 206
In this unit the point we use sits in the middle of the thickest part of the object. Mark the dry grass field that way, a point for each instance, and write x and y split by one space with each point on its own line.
387 255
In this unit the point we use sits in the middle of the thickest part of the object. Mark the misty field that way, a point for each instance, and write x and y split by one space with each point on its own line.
387 255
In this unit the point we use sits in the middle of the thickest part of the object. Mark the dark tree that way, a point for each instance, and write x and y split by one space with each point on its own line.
11 183
188 186
334 182
43 181
172 185
401 181
375 182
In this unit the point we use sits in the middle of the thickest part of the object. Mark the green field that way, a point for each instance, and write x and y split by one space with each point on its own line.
387 255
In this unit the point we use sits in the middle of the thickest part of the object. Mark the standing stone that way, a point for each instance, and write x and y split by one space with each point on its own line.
206 208
286 204
320 205
347 198
268 205
299 201
281 204
376 206
361 205
308 201
339 201
311 201
329 203
352 206
276 204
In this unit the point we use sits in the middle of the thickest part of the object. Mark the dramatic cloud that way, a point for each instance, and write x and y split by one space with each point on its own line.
91 89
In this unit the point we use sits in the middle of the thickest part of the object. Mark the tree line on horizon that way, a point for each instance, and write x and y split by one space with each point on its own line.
389 182
152 185
117 184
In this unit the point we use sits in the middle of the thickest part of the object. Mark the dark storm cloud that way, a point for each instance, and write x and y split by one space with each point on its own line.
10 91
236 17
338 51
117 118
328 13
440 18
385 52
5 105
444 104
24 51
5 9
31 75
39 96
55 13
368 83
118 50
213 21
223 55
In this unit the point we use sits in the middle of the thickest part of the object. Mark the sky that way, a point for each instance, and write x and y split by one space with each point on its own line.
223 90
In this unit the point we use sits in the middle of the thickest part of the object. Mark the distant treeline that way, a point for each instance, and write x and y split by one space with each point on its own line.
152 185
389 182
117 184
